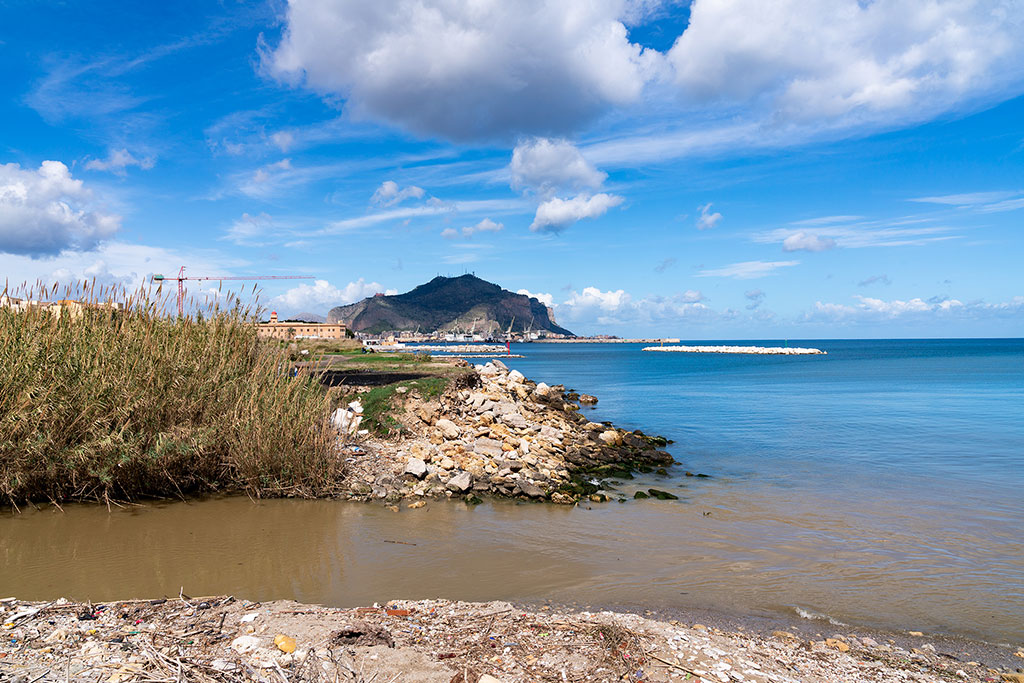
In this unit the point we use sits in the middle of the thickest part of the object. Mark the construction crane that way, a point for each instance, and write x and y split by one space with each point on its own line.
180 278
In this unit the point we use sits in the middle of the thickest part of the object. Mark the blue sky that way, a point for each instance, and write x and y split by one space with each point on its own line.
740 169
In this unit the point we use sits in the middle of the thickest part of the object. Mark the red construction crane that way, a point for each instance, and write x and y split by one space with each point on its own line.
181 282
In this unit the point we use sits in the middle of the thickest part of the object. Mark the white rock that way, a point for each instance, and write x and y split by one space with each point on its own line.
416 468
244 644
516 377
448 428
461 482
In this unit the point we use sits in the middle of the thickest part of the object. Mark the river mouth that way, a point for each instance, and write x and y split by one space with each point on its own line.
666 555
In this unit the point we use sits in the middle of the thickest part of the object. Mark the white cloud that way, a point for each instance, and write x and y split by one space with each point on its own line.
882 61
807 241
967 198
743 73
118 161
871 310
466 70
901 232
283 139
546 166
389 193
432 207
747 270
249 229
546 299
707 220
486 225
556 214
46 211
322 295
828 220
115 261
617 307
985 202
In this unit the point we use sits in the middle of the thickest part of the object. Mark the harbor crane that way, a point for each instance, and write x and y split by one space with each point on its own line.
180 279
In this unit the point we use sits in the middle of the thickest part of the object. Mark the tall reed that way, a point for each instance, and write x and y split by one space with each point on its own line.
107 404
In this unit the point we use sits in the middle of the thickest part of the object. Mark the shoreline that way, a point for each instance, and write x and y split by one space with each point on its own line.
222 638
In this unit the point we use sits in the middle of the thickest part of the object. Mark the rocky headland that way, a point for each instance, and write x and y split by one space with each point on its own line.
494 432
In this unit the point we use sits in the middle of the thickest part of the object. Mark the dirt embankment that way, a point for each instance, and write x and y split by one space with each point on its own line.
496 433
223 639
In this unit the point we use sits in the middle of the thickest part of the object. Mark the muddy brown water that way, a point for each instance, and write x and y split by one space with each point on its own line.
662 555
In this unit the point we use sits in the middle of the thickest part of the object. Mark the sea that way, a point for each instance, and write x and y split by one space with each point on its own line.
880 485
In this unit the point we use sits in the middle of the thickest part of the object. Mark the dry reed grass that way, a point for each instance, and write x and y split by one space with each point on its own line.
122 404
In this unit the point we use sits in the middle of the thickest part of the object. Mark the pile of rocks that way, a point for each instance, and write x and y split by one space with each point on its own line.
500 434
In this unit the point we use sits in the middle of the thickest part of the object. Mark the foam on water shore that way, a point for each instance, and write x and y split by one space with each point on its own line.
757 350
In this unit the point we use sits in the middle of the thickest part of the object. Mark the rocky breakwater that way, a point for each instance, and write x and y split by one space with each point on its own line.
500 434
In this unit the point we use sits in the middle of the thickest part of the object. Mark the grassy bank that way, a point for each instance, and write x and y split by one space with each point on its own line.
126 404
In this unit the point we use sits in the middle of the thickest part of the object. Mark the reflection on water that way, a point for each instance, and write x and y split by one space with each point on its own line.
746 556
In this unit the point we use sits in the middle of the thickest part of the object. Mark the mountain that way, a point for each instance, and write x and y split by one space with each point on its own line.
465 303
308 318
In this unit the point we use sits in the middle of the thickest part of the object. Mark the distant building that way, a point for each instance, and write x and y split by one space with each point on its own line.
70 307
295 329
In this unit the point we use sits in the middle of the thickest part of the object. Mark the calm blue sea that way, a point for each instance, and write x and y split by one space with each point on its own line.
942 417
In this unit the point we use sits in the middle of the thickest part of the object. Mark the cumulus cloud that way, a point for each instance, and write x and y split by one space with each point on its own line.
546 166
118 161
466 70
46 211
707 220
869 309
747 270
556 214
546 299
486 225
389 193
322 295
807 241
888 60
744 72
618 307
755 297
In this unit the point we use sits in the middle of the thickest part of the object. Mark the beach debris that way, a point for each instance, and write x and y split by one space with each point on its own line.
285 643
347 420
134 641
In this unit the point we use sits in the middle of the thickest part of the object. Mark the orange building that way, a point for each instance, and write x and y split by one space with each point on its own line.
293 329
